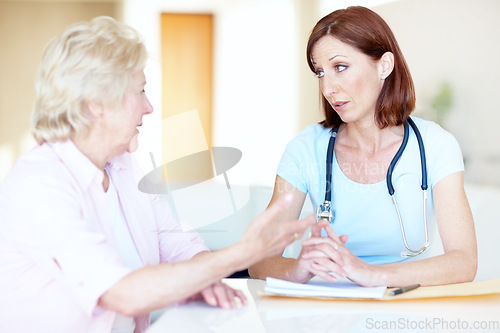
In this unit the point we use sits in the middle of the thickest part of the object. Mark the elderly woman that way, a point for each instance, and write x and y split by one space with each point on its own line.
81 249
365 166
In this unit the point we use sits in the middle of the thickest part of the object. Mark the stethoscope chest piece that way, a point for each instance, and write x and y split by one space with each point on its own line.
325 212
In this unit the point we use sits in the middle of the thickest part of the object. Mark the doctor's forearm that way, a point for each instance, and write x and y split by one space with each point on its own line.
453 267
277 267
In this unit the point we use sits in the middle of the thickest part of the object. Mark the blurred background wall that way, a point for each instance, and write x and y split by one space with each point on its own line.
453 48
25 28
263 92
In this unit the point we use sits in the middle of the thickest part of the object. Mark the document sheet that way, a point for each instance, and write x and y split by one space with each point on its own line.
321 288
345 289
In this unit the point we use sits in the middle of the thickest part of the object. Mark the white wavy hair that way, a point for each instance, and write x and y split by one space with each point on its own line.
90 61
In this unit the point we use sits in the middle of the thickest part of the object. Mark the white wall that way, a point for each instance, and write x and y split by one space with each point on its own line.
456 41
255 93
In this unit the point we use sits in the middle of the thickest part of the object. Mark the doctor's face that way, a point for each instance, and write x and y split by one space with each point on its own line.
349 79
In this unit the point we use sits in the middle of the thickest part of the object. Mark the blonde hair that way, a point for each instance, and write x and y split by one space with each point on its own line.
90 61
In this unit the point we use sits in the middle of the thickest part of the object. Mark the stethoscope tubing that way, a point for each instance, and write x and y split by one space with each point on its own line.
390 187
329 165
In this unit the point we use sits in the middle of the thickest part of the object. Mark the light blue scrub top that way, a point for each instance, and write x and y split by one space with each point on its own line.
365 212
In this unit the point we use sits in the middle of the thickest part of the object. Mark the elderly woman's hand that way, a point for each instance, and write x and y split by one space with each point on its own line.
268 234
221 295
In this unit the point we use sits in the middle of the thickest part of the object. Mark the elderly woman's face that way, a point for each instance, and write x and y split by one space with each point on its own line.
123 122
350 80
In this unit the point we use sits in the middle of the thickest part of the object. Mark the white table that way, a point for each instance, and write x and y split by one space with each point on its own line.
289 315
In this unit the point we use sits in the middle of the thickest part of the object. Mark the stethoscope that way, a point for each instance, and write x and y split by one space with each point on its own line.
325 210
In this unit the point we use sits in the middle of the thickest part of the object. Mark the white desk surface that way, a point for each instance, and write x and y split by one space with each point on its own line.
290 315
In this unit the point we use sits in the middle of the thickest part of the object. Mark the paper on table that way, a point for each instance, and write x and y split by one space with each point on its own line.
322 289
465 289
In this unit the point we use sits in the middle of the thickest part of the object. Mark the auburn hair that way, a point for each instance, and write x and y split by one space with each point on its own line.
366 31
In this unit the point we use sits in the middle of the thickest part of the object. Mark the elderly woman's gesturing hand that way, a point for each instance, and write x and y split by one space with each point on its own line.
268 235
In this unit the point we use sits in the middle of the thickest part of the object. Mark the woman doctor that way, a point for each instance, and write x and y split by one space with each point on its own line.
368 94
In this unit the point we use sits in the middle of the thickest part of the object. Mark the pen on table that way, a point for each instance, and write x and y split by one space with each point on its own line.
404 289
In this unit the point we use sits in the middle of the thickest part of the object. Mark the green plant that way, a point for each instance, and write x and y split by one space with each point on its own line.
442 102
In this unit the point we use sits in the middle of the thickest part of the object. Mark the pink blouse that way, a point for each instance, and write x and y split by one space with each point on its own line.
57 250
